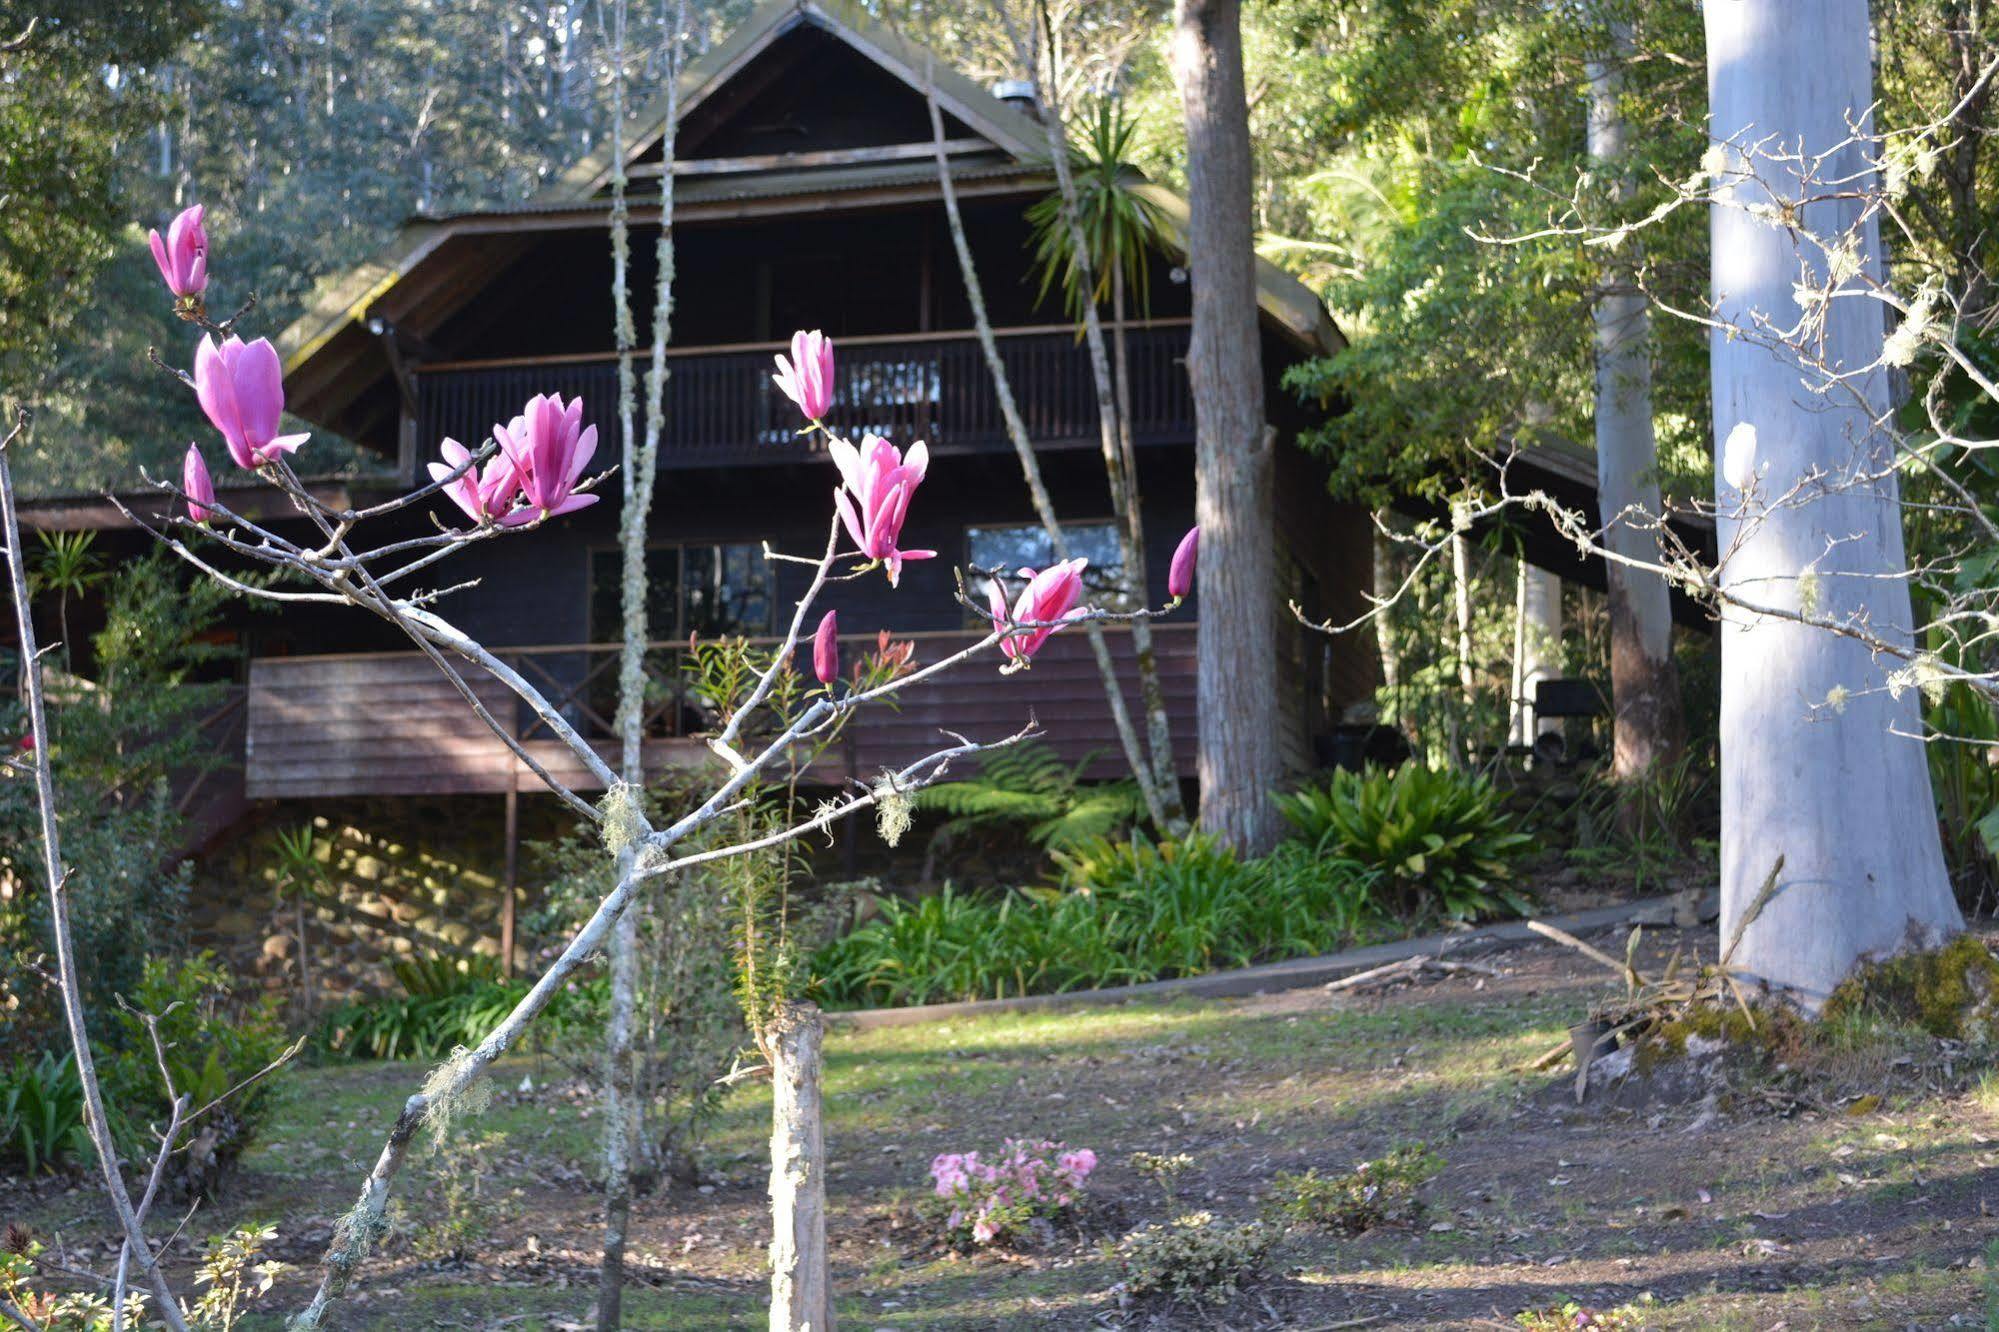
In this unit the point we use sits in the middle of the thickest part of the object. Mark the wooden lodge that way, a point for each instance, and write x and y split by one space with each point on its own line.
806 197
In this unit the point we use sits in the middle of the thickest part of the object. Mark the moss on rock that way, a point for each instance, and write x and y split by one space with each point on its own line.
1952 991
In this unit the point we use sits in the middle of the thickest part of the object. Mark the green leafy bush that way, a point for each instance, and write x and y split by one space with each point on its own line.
1438 838
1373 1193
1125 912
41 1112
215 1047
1198 1257
446 1002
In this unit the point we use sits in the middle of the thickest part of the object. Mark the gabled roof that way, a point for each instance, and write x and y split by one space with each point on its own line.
434 264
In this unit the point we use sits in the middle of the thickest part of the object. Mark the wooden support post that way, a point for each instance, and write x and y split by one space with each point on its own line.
512 877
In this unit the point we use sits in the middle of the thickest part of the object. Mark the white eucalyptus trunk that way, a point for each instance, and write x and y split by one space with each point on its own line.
1843 796
1537 650
1644 686
801 1296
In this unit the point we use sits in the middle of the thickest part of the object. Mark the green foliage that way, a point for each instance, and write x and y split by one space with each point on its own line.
1198 1257
125 728
1571 1316
215 1047
233 1274
1373 1193
1966 778
1437 837
1121 227
41 1112
1027 786
1650 826
1128 912
689 1024
444 1005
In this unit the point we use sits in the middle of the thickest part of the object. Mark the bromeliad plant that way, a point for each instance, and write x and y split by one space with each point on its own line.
532 471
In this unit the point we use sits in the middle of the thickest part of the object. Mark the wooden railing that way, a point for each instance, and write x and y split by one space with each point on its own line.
389 723
723 408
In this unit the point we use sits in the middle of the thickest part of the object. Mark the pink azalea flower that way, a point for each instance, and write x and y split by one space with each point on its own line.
877 483
241 389
196 484
483 493
183 255
548 446
1049 600
807 378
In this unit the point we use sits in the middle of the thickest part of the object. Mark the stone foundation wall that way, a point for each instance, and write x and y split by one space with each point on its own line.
402 876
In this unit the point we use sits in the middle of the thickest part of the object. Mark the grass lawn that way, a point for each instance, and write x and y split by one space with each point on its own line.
1777 1207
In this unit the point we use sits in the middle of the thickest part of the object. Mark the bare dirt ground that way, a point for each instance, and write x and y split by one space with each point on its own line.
1858 1194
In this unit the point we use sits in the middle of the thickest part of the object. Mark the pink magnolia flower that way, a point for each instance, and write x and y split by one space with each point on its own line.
549 446
483 493
880 482
241 389
1180 574
196 484
183 255
1048 600
826 649
807 378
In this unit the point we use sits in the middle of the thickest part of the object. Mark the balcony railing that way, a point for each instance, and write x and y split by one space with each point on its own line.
317 728
723 408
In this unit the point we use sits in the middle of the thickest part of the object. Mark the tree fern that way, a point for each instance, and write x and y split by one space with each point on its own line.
1029 786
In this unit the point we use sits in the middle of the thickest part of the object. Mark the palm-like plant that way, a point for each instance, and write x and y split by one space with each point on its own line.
1121 224
301 877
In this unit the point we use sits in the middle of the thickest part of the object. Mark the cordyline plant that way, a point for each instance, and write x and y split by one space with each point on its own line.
535 469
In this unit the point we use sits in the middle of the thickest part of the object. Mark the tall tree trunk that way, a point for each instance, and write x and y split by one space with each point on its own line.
801 1294
1537 647
1158 722
1120 462
1240 706
1030 468
624 1108
1844 799
1644 685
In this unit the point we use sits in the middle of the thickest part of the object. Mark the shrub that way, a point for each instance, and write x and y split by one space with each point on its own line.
213 1047
992 1202
1026 786
1373 1193
1437 837
446 1002
1126 912
1197 1257
41 1112
1569 1316
1161 1169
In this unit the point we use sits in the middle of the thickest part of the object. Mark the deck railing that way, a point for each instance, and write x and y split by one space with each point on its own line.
723 408
316 728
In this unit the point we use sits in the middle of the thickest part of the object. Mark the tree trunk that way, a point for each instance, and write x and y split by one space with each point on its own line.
1843 797
1120 469
1537 650
624 1108
1644 685
1233 464
801 1297
1030 468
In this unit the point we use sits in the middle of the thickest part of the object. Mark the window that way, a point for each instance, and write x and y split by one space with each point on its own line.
1026 545
707 590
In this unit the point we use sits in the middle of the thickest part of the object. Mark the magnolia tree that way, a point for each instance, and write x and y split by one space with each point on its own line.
534 470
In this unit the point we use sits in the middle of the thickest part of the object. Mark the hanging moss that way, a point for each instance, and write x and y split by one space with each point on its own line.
1952 991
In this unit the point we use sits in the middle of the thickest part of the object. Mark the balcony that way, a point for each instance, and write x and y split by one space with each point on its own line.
390 724
723 409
